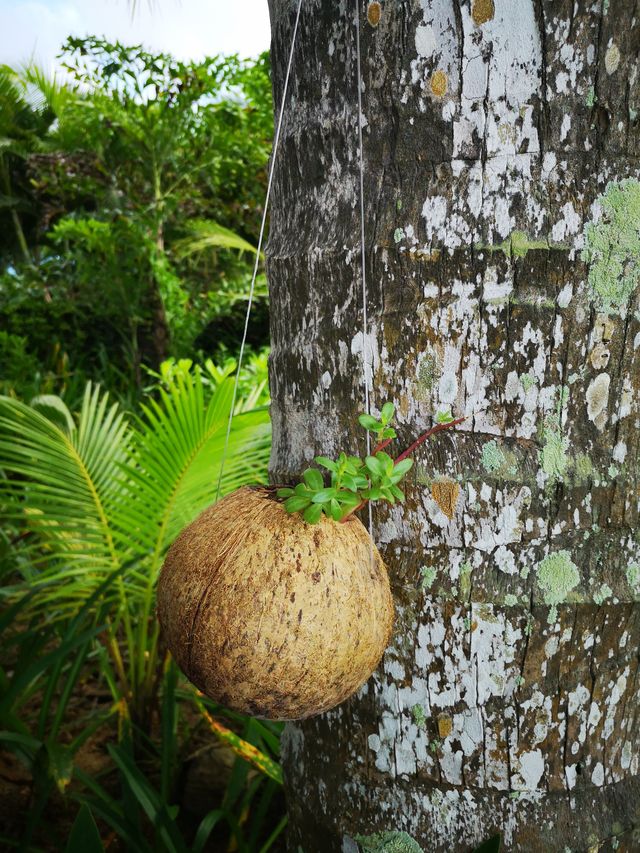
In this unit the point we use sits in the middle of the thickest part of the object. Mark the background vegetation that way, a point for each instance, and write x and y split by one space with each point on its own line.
130 199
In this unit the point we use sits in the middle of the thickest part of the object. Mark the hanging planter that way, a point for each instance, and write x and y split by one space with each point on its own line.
276 603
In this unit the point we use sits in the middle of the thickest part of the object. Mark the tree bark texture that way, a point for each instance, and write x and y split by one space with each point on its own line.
503 257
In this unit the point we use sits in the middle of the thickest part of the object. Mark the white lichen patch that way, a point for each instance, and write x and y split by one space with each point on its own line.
597 398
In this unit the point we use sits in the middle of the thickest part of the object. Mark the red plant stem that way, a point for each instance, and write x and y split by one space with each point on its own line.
427 435
403 455
382 445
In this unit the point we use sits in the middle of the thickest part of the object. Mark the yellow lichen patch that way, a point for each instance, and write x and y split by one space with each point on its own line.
445 493
482 11
439 83
429 255
445 726
374 11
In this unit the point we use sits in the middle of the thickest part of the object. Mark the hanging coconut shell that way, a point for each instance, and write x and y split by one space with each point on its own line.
269 615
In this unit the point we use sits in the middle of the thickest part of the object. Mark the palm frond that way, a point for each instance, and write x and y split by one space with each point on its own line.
179 451
64 485
206 234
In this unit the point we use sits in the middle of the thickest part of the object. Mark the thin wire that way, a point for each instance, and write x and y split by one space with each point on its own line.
365 322
276 141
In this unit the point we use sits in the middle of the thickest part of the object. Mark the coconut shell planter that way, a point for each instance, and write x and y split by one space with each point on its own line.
276 603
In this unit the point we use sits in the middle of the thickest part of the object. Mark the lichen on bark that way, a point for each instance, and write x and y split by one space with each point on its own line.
612 247
486 214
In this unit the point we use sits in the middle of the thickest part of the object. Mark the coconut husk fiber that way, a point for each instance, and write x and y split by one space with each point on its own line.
269 615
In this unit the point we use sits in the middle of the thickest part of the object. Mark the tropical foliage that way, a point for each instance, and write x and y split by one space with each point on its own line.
131 194
130 200
92 502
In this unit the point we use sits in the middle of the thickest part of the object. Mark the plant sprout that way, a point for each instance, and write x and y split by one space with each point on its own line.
355 481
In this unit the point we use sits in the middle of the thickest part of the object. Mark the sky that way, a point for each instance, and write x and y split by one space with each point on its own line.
189 29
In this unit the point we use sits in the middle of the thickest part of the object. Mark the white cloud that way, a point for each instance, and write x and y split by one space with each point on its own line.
185 28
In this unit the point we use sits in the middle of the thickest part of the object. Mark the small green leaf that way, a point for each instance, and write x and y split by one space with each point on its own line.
336 510
375 466
349 499
399 494
312 514
327 463
389 433
387 413
349 482
444 417
324 495
313 478
296 504
284 493
369 423
386 460
403 467
302 490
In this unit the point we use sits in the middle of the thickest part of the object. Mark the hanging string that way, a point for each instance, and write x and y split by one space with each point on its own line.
366 365
276 142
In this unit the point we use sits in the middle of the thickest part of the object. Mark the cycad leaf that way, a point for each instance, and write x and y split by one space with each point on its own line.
68 485
179 450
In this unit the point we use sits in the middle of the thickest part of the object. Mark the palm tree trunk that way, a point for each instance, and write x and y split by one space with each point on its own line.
503 244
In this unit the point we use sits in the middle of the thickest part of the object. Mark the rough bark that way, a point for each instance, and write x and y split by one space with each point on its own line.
503 252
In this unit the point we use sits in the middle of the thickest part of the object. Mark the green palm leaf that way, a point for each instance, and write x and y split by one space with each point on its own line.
206 234
100 493
67 481
179 448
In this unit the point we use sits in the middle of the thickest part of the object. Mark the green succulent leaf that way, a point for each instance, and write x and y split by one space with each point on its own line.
444 417
336 510
350 499
312 513
375 466
324 495
296 504
370 423
313 478
387 413
386 461
285 492
403 467
327 463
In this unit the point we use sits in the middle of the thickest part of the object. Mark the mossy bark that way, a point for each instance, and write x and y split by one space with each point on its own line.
502 207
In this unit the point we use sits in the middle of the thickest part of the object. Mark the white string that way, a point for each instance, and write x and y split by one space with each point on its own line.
365 360
276 141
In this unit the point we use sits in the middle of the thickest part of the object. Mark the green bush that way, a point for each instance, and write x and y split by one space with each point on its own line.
92 502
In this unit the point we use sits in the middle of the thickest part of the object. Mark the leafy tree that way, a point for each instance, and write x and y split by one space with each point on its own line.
147 189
